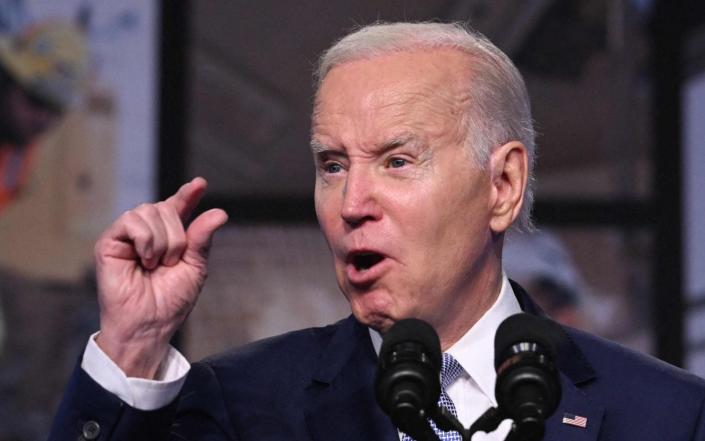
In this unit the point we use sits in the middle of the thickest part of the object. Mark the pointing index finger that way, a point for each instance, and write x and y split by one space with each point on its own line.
186 198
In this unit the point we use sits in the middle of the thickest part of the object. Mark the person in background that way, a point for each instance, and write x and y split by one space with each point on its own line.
41 72
42 68
539 262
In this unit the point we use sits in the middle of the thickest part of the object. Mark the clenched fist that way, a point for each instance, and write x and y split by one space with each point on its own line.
150 271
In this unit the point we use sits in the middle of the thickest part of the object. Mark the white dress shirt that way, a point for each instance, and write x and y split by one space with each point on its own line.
472 393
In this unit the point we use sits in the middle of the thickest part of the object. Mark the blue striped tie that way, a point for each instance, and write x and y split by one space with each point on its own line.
450 371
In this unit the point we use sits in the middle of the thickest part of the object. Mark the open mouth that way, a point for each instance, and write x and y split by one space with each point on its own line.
365 261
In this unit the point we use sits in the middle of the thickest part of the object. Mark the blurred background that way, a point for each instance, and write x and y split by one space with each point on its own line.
104 105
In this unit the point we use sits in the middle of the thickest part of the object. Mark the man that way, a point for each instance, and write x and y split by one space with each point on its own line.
41 70
423 145
541 263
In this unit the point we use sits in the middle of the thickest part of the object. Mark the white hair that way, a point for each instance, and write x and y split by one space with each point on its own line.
499 109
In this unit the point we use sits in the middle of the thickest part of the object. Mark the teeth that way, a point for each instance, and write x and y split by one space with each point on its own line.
366 261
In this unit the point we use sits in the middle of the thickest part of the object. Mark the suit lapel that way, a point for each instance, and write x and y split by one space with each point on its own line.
340 400
576 372
574 404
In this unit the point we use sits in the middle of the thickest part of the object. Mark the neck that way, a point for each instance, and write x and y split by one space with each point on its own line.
479 296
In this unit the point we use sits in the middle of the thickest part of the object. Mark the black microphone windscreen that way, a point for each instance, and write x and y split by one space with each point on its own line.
521 328
413 330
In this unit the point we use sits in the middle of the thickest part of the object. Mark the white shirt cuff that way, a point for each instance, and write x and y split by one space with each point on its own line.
139 393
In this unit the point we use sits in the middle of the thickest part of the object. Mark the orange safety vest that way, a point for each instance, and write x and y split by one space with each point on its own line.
15 165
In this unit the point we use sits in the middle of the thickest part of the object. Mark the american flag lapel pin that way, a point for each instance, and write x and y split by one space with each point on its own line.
574 420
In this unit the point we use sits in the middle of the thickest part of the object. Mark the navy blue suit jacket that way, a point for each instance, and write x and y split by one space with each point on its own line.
317 384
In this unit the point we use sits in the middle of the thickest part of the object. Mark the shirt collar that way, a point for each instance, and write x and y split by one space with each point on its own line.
475 350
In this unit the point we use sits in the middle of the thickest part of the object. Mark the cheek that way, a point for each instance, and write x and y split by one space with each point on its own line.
325 209
448 232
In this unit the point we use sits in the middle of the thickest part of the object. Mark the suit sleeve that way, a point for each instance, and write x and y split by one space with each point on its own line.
89 412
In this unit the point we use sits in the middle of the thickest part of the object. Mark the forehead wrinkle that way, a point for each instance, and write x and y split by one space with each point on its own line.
315 118
432 110
436 108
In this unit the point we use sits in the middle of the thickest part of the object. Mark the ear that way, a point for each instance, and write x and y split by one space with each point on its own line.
509 169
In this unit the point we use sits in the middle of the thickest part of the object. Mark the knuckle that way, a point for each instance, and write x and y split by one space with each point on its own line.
147 209
129 217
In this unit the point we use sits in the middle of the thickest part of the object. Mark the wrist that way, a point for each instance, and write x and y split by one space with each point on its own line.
137 358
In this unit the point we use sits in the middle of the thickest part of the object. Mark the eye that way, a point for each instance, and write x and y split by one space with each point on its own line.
397 162
332 167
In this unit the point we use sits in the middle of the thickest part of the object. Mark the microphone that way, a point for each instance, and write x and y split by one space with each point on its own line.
528 389
407 386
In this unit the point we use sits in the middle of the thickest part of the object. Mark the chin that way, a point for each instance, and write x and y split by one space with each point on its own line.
378 319
378 323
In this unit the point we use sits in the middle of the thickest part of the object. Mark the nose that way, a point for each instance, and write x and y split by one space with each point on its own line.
360 202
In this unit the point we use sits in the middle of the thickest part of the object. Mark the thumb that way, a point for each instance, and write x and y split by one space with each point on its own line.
199 235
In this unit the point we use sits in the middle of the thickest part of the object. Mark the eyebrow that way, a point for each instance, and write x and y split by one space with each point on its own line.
318 147
398 141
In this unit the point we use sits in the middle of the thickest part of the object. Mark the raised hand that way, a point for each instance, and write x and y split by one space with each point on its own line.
150 271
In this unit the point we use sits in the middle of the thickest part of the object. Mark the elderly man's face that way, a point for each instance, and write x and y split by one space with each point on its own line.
404 209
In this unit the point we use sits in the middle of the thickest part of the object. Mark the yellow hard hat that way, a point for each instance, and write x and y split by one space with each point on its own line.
48 59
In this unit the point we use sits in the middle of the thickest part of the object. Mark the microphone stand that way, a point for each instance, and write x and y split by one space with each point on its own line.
487 422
